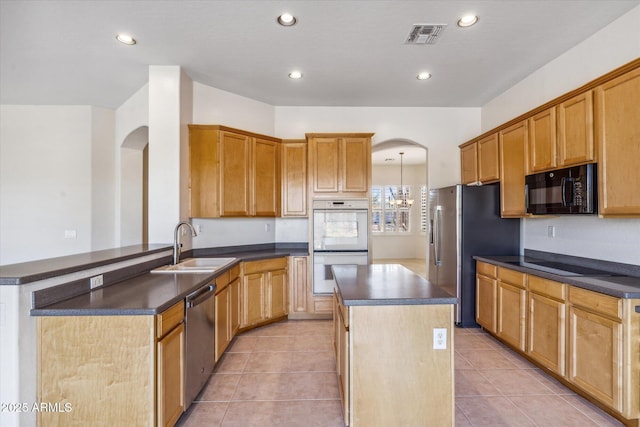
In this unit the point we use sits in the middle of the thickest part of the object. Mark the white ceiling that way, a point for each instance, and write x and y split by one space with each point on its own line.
352 53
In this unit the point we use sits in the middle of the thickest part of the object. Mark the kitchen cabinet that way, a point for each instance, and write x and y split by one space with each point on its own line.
340 164
264 292
481 160
469 163
113 370
294 178
227 309
513 160
511 307
595 345
542 141
486 292
617 136
232 173
575 130
547 323
341 346
299 284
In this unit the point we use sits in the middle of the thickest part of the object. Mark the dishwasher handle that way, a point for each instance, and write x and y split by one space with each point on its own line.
200 296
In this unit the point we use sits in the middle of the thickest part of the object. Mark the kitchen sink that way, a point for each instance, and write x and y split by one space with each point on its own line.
196 265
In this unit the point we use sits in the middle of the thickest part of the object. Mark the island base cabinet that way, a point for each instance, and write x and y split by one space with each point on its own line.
171 377
395 375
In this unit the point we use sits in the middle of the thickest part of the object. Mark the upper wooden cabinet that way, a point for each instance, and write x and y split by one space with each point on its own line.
469 163
233 173
513 156
575 130
340 164
294 178
481 160
618 140
542 141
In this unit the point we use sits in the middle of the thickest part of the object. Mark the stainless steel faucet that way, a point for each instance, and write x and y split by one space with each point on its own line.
176 244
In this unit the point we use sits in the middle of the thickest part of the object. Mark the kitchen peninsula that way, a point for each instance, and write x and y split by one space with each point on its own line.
394 346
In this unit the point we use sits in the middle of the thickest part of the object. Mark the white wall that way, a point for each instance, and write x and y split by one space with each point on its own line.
45 181
217 107
405 245
103 177
591 237
439 129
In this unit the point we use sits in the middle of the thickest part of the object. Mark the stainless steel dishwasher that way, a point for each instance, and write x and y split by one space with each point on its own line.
200 350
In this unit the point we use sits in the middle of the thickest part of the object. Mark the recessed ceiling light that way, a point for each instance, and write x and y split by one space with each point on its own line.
126 39
295 75
423 76
286 20
467 20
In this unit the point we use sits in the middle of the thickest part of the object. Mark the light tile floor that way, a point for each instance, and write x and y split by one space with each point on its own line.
284 375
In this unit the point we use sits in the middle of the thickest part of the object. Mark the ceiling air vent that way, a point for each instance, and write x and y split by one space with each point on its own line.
425 33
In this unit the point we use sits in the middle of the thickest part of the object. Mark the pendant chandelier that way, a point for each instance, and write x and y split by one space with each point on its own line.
402 201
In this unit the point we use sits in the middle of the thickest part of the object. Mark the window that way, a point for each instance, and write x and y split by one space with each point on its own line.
386 217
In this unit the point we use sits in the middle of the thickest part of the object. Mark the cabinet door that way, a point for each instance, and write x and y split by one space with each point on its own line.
234 174
513 143
222 330
469 163
299 284
170 371
575 130
486 302
324 156
277 292
547 325
266 178
618 133
203 172
356 164
294 179
595 356
542 141
489 159
511 306
253 299
234 307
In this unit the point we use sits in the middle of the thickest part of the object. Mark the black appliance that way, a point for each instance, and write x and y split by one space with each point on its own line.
465 221
563 191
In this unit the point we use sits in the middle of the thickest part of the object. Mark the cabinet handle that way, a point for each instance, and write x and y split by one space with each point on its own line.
637 308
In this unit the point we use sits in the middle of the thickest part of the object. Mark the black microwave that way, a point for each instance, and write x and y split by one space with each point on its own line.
563 191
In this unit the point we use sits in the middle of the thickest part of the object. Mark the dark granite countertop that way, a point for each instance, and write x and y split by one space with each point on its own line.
605 282
254 252
148 294
386 284
27 272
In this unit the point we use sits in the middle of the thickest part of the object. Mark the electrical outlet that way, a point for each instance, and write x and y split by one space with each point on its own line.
551 231
70 234
439 338
96 281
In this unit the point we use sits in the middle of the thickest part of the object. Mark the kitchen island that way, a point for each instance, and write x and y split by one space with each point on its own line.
394 347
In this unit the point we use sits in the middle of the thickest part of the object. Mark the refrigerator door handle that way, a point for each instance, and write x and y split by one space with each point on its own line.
431 231
438 225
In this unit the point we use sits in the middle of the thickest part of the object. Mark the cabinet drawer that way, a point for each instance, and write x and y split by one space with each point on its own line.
234 272
596 302
512 277
265 265
222 281
486 269
547 287
169 319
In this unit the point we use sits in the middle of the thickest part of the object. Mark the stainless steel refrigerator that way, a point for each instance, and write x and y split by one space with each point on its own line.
465 221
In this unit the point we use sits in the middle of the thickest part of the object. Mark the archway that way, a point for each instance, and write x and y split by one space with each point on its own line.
134 160
391 243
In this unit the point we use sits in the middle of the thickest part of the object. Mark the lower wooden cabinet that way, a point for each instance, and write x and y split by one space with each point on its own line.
588 340
547 324
170 377
264 293
341 346
511 307
486 288
227 309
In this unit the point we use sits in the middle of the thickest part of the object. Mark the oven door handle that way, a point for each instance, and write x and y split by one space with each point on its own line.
563 183
200 296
